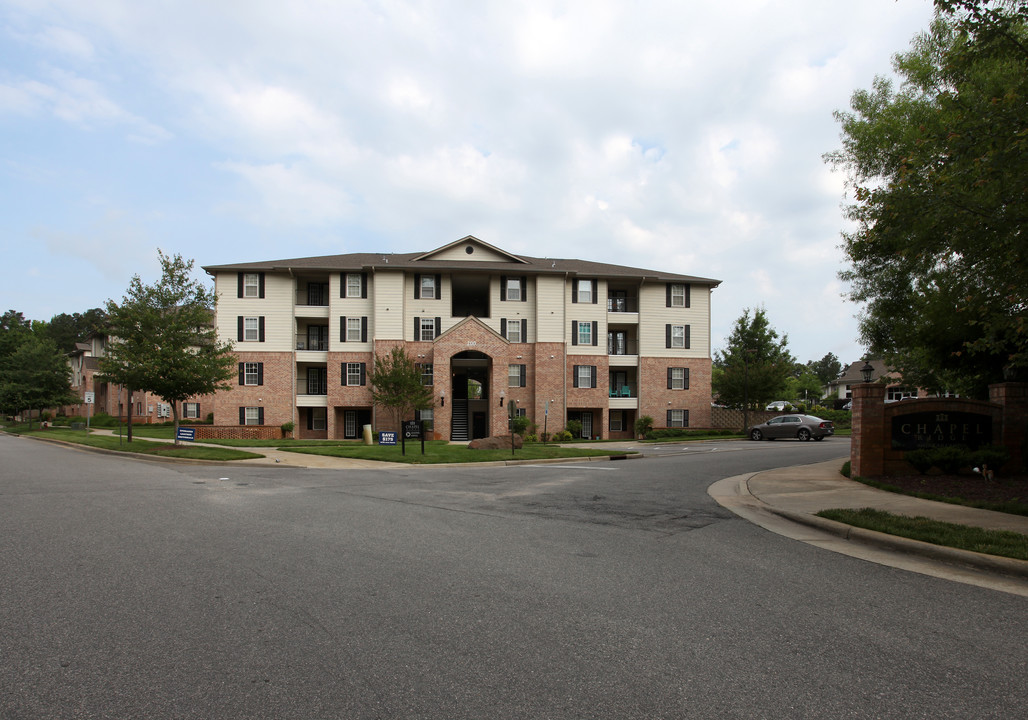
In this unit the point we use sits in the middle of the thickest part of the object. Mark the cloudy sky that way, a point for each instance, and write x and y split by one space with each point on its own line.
681 135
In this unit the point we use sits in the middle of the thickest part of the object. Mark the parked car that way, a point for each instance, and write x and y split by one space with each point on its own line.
779 405
801 427
848 405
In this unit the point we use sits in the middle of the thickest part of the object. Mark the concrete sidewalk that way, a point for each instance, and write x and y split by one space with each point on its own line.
785 501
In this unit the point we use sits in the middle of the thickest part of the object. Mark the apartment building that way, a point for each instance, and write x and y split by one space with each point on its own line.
564 339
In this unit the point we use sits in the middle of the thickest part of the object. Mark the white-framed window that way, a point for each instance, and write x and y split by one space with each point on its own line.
585 375
251 285
353 373
516 375
251 329
678 336
617 420
353 285
514 331
676 418
899 393
425 416
319 418
677 378
514 289
251 373
253 416
191 410
353 329
585 333
427 328
427 373
677 295
428 287
585 291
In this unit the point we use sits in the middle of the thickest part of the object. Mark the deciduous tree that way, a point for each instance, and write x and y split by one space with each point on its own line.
397 386
755 363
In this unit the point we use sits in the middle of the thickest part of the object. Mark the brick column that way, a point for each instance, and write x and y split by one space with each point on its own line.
867 451
1013 397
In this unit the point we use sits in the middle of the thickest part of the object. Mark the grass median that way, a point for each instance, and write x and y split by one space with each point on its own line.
990 542
143 447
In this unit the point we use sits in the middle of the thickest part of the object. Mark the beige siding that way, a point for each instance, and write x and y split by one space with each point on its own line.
276 307
654 316
587 312
550 296
459 254
439 307
388 303
350 307
513 310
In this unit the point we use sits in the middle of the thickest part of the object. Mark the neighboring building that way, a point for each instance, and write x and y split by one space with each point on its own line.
565 339
842 388
112 399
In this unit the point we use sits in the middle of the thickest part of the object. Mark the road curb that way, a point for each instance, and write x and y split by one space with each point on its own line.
981 561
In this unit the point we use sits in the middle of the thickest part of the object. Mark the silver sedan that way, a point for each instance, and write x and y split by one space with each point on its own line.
801 427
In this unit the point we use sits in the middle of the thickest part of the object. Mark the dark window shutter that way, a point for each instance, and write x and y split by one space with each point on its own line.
239 323
438 325
364 285
574 378
310 419
260 285
574 291
595 290
669 378
260 416
242 373
524 373
240 290
688 294
574 332
417 329
503 289
686 381
688 338
524 331
667 295
242 416
342 284
198 415
417 288
596 333
503 327
364 374
685 418
260 328
342 373
364 328
667 336
524 288
260 373
342 329
667 423
592 373
438 287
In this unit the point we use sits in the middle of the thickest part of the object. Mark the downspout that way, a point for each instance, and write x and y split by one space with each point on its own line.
374 407
564 381
294 412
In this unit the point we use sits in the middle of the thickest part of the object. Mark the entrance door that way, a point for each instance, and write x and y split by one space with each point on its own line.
587 424
350 424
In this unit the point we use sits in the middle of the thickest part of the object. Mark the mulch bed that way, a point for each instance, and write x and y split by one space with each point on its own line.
969 487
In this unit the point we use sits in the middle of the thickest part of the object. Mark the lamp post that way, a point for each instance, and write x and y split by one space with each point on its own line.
867 372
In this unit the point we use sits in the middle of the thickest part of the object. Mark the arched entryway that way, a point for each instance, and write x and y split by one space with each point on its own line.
469 377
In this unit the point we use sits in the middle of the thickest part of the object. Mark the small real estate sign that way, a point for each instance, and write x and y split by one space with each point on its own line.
387 437
187 433
411 429
934 429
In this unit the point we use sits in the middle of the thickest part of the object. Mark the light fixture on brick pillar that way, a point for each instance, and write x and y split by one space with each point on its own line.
442 398
501 398
867 371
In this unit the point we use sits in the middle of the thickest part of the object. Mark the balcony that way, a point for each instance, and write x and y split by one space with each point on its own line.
623 305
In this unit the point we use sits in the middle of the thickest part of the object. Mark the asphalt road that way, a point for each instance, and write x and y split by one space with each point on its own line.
597 590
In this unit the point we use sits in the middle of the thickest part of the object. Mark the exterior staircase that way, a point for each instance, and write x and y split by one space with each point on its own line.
459 421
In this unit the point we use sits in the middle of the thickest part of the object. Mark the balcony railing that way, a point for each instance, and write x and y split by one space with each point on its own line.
623 391
618 346
623 305
312 386
305 342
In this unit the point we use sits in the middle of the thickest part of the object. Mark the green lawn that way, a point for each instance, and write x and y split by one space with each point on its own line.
146 447
990 542
438 451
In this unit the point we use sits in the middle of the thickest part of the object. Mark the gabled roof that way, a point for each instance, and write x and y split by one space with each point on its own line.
470 244
443 259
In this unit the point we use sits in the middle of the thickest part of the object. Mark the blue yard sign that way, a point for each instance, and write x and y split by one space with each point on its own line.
188 434
387 437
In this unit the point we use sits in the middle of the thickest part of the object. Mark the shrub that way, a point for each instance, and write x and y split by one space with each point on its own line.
531 438
521 424
574 428
287 427
922 460
951 459
562 436
210 418
643 425
993 456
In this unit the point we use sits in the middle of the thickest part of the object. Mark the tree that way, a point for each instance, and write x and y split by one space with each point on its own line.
14 328
66 330
755 363
164 340
35 375
939 257
396 385
805 387
826 369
